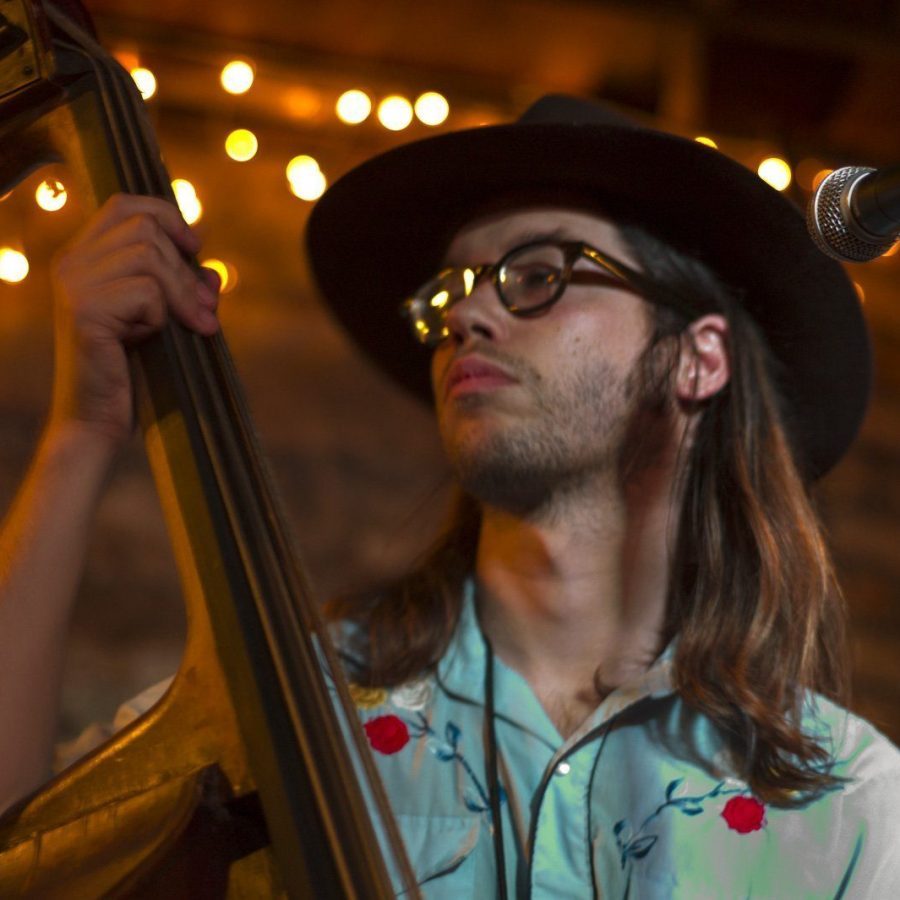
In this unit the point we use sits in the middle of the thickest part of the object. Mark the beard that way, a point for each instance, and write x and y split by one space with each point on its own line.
590 426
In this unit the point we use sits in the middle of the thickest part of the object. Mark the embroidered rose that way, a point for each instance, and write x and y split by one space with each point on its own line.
387 734
367 697
744 814
414 695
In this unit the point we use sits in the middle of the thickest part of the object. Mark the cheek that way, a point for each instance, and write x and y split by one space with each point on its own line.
439 361
619 334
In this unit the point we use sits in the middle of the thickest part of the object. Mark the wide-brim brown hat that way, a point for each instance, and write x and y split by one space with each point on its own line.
381 230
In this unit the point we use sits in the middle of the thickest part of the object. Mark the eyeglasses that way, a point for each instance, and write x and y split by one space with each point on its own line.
528 279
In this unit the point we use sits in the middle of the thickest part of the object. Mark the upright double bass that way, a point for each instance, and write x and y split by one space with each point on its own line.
250 777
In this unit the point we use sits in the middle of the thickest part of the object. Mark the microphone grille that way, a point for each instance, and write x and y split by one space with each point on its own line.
828 223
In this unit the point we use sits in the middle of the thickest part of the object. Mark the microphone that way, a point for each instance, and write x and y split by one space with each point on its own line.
854 215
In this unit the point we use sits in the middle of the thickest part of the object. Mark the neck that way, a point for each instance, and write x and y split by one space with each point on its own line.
574 600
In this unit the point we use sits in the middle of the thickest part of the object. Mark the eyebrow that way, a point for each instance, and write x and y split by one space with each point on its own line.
528 236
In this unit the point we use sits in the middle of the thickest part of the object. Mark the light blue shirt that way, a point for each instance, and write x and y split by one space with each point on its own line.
638 803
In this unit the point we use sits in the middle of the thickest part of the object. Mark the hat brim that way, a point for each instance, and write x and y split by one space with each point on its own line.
382 229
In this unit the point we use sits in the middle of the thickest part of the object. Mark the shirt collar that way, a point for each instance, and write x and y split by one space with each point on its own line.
461 672
461 669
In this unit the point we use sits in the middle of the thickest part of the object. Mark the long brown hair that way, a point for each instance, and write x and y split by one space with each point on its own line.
752 598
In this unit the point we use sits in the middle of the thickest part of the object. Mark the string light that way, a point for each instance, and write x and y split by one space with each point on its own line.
228 277
395 112
145 81
241 145
188 202
51 195
299 165
13 265
353 107
432 108
305 178
237 76
309 186
776 172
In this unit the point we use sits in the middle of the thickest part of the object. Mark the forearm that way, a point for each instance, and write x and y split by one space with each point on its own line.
42 549
119 281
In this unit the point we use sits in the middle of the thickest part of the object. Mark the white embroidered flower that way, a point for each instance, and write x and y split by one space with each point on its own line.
414 695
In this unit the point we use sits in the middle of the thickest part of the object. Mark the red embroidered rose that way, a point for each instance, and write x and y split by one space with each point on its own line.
744 814
387 734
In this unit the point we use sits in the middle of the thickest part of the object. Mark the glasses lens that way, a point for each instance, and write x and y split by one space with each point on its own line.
532 276
427 308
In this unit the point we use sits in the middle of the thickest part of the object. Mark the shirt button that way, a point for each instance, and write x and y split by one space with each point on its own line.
563 768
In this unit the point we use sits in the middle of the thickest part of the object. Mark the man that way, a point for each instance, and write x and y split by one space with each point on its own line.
614 675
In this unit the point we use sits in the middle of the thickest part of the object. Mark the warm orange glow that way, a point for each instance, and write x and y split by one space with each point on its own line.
432 108
893 250
819 177
241 145
127 59
353 107
13 265
228 277
395 112
805 172
860 292
776 172
237 76
301 103
145 81
51 195
708 141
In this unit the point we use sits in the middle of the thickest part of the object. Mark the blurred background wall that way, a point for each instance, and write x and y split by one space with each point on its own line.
812 84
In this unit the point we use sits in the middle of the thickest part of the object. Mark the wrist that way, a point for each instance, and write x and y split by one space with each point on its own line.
72 441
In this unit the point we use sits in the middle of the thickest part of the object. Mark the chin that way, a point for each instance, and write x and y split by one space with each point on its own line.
470 427
503 467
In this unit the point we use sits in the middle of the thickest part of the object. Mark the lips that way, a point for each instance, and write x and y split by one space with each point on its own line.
473 374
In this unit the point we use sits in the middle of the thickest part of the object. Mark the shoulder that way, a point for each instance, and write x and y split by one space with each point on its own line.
860 752
865 813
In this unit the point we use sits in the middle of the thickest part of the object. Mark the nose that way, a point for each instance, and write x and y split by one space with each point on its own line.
480 315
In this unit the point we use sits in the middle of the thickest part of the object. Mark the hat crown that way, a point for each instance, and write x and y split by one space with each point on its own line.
560 109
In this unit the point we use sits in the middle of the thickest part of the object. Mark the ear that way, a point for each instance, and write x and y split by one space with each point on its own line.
705 364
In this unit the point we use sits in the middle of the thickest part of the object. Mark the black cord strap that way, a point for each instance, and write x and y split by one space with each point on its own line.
493 771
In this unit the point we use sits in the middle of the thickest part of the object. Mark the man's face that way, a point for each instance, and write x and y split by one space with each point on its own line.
529 407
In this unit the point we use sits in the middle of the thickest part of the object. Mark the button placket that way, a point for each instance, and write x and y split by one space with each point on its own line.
560 862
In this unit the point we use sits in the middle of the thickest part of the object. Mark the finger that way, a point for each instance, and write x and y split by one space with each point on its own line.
149 312
133 307
139 246
118 289
121 207
212 280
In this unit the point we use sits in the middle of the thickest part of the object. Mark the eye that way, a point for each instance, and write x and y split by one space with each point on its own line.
527 275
